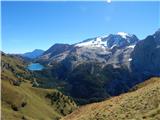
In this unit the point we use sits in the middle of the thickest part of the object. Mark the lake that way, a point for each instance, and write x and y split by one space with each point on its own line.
35 66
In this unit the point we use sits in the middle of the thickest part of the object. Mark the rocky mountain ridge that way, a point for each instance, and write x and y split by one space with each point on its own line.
100 49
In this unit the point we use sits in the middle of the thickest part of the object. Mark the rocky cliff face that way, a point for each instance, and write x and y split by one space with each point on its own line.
146 57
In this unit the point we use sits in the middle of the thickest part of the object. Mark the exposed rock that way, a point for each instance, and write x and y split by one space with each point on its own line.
35 83
16 82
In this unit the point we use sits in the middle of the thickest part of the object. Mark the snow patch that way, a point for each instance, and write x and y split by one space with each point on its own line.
158 46
97 42
130 59
131 46
113 46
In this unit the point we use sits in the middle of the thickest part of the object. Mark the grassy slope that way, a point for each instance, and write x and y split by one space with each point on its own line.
143 103
25 101
38 107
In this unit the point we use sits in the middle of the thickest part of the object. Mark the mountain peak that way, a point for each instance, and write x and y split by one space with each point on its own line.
38 50
158 29
123 34
57 49
34 54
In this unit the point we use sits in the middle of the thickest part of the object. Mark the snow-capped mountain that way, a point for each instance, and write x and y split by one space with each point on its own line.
112 49
121 39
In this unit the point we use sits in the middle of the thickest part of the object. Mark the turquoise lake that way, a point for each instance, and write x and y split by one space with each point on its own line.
35 66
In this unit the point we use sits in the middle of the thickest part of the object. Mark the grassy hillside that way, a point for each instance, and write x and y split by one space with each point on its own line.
142 103
21 101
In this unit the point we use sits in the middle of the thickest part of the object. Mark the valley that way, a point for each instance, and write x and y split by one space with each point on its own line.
80 60
101 66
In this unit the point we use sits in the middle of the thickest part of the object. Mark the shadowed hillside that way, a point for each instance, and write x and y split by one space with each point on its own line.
142 103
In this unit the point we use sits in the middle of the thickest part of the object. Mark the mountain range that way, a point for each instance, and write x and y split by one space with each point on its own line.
99 49
102 66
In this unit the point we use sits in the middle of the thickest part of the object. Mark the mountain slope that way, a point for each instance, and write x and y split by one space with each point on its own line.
20 100
143 103
54 52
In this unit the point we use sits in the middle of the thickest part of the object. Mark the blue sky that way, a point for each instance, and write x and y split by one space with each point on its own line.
30 25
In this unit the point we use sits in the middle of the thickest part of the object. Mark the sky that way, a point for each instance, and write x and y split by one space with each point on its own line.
38 25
